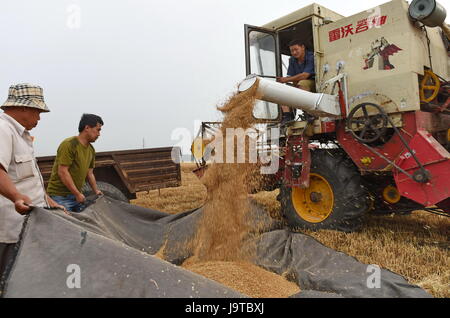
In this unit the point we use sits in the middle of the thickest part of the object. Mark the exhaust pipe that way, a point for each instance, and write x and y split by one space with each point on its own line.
316 104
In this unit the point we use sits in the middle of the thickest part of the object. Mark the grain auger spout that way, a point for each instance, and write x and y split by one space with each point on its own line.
317 104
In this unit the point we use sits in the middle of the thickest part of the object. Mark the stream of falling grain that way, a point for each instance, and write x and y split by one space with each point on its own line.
223 226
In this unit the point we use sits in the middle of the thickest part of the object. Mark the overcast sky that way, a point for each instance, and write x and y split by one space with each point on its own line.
147 67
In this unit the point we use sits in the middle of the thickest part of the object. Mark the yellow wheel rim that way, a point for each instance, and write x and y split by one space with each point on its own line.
430 83
197 148
314 204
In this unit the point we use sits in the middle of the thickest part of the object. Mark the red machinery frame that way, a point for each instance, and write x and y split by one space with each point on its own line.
393 156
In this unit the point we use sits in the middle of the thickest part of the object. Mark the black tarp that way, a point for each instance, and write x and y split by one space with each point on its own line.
112 244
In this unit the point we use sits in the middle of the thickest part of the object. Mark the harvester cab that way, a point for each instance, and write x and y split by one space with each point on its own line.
379 117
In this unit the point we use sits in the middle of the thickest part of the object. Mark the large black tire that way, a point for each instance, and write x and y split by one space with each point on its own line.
347 201
108 190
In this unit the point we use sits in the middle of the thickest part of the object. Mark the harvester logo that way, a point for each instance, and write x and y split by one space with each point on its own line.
382 50
361 26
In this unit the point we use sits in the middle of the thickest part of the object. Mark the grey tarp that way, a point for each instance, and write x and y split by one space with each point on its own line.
111 243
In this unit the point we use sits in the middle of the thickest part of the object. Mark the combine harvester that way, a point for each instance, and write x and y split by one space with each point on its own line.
376 135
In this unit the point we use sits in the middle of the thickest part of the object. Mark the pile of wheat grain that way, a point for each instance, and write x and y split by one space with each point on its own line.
246 278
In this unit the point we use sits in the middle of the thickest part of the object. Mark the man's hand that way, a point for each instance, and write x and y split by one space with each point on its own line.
22 204
80 197
8 189
54 205
98 192
282 80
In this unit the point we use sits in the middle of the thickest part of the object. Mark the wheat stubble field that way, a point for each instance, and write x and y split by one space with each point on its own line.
414 246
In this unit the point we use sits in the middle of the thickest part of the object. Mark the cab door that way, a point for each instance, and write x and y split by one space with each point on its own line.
262 54
262 57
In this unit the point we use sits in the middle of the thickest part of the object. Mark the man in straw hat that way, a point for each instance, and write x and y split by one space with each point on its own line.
21 183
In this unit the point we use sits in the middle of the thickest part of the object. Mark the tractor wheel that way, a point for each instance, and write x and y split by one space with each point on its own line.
334 200
108 190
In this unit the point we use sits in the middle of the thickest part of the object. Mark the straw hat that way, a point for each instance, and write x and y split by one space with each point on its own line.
26 95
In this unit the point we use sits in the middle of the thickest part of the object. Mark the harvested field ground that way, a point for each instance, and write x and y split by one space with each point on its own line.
190 195
414 246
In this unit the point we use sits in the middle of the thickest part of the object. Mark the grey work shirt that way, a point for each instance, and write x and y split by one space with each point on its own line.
17 157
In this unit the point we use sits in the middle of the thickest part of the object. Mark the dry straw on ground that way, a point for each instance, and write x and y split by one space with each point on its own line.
414 246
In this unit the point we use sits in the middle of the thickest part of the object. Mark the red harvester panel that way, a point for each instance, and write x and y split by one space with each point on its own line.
436 160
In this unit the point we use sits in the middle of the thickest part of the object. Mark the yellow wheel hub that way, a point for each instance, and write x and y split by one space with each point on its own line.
430 84
314 204
391 194
198 147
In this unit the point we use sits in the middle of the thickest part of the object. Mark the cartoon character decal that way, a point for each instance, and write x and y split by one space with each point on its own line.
382 49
